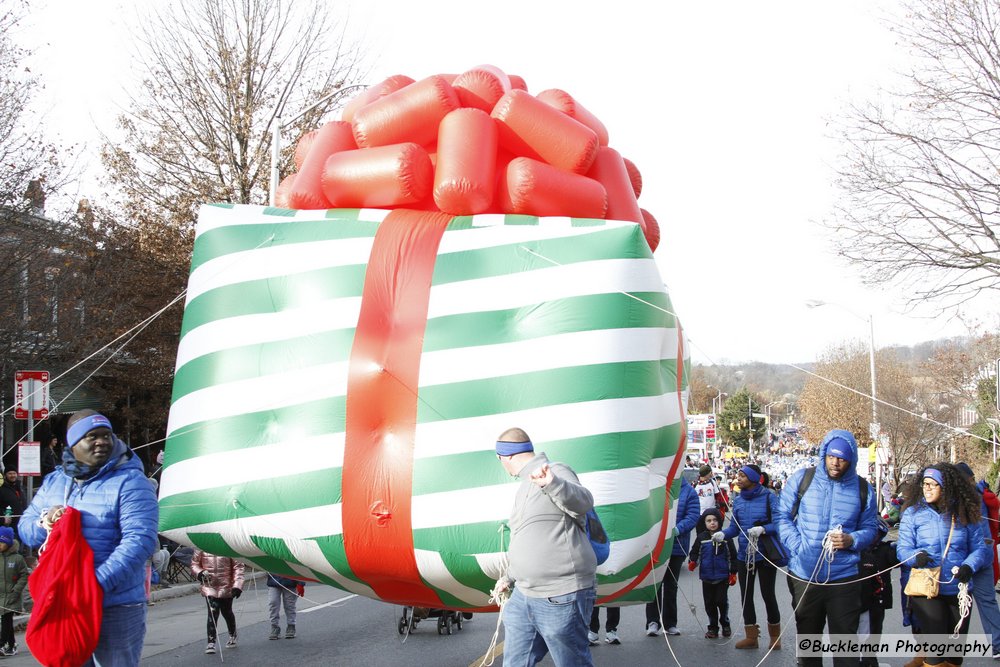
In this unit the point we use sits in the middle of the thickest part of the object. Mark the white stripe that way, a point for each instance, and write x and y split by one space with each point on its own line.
293 456
277 390
549 423
312 318
578 348
308 553
518 290
604 276
280 261
432 568
301 524
216 217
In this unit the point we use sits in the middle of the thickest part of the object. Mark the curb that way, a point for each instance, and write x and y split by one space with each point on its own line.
158 595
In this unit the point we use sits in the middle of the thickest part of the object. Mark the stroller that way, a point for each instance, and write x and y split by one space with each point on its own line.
447 619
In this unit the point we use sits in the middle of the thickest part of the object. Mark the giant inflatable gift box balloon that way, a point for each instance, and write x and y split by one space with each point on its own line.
453 258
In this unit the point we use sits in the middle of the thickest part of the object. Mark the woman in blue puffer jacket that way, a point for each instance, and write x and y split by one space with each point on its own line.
942 528
753 512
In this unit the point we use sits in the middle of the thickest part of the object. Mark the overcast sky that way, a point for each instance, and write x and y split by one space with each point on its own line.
724 107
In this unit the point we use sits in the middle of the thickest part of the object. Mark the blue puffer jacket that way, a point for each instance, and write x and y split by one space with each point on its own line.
749 510
923 529
119 517
826 504
688 511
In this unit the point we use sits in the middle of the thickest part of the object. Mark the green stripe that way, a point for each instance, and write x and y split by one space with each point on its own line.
332 547
252 499
223 241
466 470
510 258
276 547
558 386
272 295
212 543
575 314
251 361
254 429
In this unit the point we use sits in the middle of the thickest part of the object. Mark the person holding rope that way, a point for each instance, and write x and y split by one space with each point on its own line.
552 569
717 563
104 480
983 579
943 528
662 612
221 580
283 592
826 517
752 517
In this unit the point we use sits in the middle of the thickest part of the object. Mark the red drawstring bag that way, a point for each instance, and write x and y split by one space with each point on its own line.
65 623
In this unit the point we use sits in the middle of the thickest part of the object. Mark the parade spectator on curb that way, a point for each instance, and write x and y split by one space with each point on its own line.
943 527
221 579
551 572
982 579
754 510
662 611
831 510
283 592
103 479
14 575
717 570
12 496
49 456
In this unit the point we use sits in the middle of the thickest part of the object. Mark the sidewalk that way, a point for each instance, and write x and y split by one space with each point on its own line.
156 595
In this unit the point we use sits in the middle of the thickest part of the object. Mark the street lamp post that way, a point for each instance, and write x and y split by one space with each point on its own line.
279 124
874 429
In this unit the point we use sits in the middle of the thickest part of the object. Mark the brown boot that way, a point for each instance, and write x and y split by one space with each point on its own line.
918 661
774 630
752 632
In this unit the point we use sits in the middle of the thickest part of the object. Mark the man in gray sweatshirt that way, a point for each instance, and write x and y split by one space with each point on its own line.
551 562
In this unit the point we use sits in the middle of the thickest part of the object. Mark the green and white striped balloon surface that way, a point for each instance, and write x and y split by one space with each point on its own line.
342 377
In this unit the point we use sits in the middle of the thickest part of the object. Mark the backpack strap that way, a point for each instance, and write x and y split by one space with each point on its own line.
804 483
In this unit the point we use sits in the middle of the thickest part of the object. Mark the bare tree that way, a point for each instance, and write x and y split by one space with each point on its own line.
919 201
216 74
837 397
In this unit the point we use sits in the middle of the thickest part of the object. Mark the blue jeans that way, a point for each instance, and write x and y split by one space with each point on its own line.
536 626
986 603
123 628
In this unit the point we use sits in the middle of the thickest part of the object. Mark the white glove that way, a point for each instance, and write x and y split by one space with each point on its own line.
756 531
719 537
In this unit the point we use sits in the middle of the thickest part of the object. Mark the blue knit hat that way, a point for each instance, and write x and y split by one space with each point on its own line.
7 535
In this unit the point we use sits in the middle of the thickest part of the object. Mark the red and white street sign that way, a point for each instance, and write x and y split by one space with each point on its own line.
31 394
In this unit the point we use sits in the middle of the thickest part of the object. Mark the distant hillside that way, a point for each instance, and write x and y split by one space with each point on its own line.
780 379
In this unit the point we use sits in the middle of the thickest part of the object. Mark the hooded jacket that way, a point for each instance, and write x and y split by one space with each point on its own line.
14 576
716 560
922 528
224 574
688 508
826 504
119 516
749 510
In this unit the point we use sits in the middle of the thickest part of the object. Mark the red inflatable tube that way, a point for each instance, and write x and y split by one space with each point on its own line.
307 191
481 87
282 192
465 173
548 133
302 148
411 114
531 187
651 229
635 176
609 170
563 101
380 177
517 83
376 92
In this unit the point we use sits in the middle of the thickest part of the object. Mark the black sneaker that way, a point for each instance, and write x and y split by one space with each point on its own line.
290 632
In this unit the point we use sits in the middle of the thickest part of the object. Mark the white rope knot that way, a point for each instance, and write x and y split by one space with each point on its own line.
964 605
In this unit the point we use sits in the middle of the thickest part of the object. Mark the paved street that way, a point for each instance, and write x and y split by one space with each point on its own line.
336 628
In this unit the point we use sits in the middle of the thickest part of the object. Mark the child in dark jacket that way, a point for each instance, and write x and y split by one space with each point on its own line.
717 561
876 589
14 574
